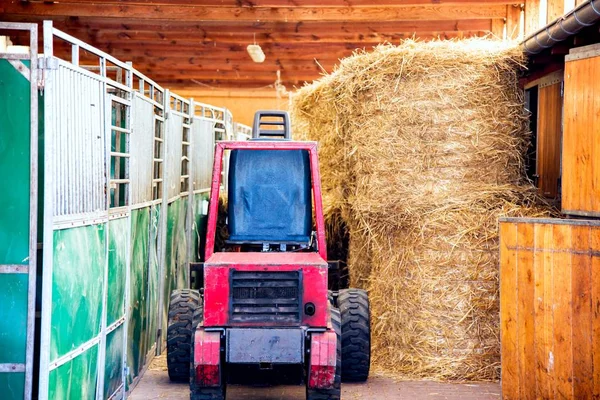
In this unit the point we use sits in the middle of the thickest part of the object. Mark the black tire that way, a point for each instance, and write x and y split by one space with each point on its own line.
184 309
204 393
336 392
356 334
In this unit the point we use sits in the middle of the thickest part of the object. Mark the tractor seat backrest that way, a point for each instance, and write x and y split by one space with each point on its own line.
269 196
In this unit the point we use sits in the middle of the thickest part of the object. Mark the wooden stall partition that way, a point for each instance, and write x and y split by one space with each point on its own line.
581 140
550 308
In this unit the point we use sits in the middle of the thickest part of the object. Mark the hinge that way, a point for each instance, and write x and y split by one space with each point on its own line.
562 89
47 63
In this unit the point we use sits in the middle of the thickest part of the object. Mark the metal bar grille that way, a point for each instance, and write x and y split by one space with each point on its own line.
265 296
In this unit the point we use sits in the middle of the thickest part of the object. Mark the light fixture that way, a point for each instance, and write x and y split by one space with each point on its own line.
256 53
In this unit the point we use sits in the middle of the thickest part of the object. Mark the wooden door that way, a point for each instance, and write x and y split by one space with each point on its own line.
581 141
549 132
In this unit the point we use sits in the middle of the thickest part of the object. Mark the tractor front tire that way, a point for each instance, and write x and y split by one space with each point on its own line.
356 334
336 392
185 309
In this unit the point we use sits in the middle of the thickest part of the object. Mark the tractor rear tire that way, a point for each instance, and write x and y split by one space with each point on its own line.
336 392
185 311
356 334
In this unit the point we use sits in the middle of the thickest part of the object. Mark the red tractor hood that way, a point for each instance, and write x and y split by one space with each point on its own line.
267 259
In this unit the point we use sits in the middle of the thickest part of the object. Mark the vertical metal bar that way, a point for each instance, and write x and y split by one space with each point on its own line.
75 54
127 266
107 105
191 217
49 155
163 217
214 202
33 200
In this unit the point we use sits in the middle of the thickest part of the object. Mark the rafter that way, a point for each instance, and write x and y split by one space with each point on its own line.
283 14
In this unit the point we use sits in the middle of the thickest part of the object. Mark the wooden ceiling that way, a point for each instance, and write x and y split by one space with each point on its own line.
182 44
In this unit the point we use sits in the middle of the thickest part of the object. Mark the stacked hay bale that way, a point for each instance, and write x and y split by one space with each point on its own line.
421 151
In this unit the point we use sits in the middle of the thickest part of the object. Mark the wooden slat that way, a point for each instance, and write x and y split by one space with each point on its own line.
556 9
543 318
200 28
513 21
563 321
581 138
498 28
549 130
525 308
532 16
245 38
292 3
557 347
289 14
582 312
595 300
508 311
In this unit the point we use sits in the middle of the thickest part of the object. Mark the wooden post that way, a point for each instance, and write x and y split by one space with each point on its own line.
556 9
513 19
498 28
532 16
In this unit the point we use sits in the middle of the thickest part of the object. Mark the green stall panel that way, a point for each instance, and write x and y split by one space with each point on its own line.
15 168
76 379
118 231
113 368
79 261
175 271
137 346
153 277
12 385
13 318
15 120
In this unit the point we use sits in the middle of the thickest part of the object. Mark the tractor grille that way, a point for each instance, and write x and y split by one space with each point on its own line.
265 297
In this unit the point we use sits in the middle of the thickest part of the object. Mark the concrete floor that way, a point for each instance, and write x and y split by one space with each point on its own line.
155 385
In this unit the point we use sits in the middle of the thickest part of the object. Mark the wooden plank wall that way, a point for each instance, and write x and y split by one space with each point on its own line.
549 308
581 137
549 132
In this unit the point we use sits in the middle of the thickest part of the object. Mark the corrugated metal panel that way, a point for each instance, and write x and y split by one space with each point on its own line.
173 149
142 149
203 137
79 167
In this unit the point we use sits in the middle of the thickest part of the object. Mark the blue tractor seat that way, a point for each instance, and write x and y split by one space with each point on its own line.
269 194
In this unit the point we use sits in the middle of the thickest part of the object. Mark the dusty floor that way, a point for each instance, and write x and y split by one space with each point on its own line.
155 385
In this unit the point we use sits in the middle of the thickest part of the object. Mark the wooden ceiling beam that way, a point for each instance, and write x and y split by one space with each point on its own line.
251 27
283 14
106 36
291 3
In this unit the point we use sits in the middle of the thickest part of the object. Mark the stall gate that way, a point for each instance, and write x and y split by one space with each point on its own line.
125 174
18 214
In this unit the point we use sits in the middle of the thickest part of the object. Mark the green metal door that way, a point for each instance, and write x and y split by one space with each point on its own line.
18 215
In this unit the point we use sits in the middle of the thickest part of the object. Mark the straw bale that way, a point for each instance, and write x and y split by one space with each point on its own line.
421 150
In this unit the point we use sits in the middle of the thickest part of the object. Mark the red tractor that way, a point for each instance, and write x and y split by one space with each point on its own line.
263 304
